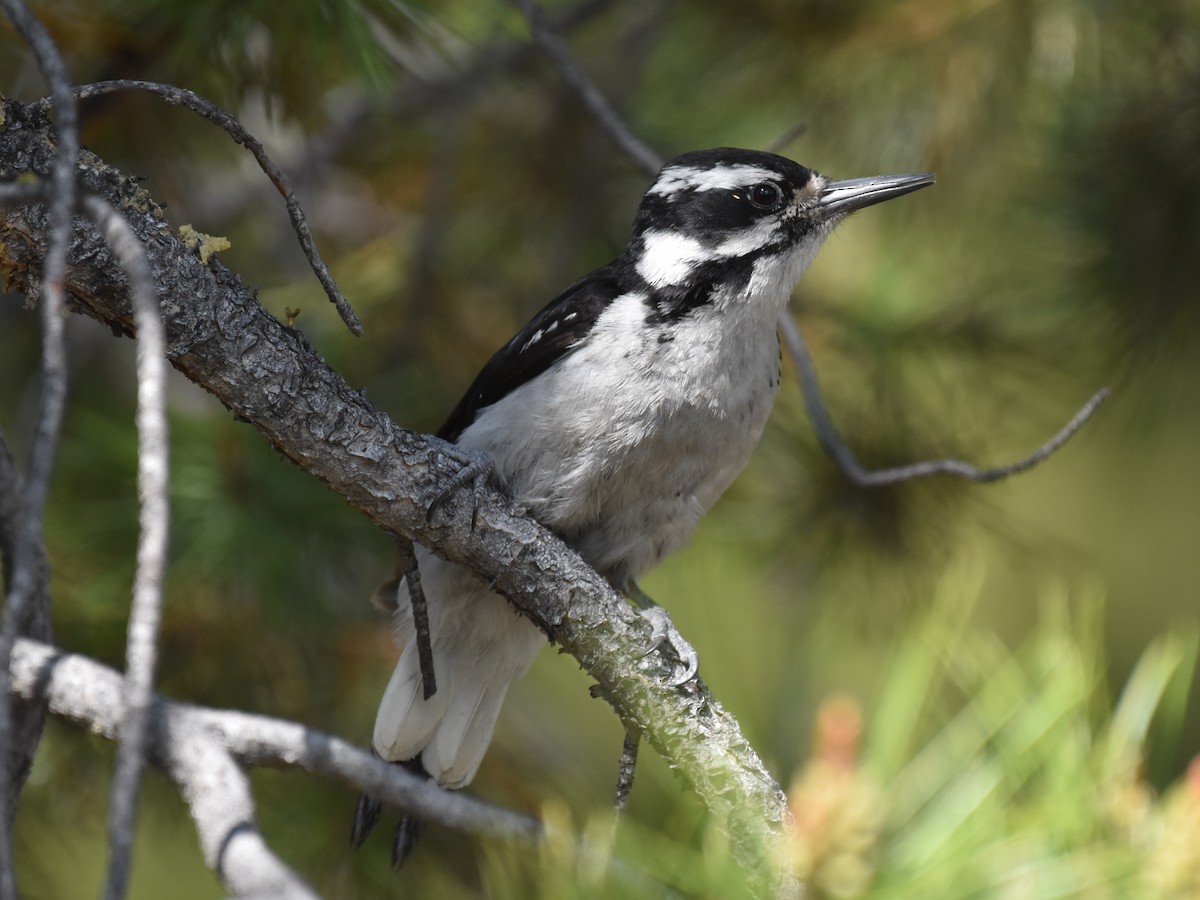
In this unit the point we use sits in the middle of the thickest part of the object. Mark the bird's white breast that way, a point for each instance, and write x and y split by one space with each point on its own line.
627 441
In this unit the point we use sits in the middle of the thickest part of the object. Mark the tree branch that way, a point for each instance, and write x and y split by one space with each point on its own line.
152 542
593 98
145 613
201 749
228 123
219 337
26 556
845 459
27 719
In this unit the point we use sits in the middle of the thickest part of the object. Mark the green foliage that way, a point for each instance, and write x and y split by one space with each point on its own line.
1028 786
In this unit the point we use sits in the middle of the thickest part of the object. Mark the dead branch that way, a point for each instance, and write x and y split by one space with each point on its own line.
203 749
24 585
27 719
145 613
228 123
845 459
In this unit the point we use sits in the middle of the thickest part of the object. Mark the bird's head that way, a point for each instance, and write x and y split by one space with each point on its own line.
727 223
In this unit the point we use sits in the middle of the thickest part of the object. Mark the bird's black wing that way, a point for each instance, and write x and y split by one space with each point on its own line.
550 335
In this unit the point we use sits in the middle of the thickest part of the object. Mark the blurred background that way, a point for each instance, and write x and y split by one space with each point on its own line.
974 690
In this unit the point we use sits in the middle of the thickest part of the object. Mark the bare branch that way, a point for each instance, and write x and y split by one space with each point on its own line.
26 614
23 587
25 727
784 140
178 96
152 544
218 795
198 747
556 48
420 614
845 459
154 517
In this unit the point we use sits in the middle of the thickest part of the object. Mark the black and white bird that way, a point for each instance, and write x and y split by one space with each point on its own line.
617 417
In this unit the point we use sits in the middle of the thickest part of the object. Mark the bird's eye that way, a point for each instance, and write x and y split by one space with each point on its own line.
766 195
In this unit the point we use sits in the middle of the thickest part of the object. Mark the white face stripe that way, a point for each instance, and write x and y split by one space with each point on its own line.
677 178
668 257
748 240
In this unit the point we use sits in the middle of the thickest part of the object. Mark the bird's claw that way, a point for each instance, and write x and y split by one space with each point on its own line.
662 630
366 816
476 467
369 809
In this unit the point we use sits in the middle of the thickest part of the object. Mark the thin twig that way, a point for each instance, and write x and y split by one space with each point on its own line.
178 96
27 720
411 573
54 390
782 142
556 48
145 613
846 460
628 764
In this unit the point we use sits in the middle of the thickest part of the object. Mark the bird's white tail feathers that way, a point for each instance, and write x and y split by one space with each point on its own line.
480 647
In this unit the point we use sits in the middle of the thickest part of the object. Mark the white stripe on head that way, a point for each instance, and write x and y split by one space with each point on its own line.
668 257
679 178
750 239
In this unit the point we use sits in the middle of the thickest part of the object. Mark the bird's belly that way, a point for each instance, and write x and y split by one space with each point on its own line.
627 475
645 503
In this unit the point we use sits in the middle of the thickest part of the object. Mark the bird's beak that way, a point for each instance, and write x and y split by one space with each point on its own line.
840 198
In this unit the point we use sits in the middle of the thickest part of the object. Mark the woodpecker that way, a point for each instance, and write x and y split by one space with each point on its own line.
617 417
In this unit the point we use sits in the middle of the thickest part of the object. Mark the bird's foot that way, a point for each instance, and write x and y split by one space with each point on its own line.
476 467
366 816
408 829
663 631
